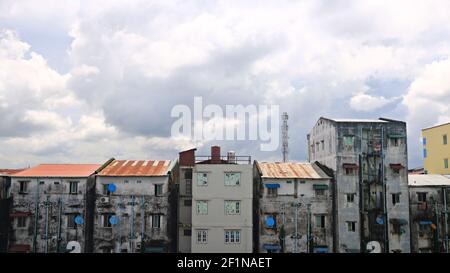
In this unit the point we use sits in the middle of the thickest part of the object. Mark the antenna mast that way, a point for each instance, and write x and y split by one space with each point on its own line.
285 136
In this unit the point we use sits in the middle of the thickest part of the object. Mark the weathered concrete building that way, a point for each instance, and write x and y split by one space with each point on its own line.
222 196
294 208
429 200
133 207
49 207
186 165
369 162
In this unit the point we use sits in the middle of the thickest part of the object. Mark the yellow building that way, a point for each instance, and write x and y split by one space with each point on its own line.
436 149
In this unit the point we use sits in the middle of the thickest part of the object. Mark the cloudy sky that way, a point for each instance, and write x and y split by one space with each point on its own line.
83 81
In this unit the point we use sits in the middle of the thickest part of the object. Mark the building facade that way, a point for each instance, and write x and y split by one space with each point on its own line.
133 201
436 149
368 159
429 199
49 208
294 208
222 196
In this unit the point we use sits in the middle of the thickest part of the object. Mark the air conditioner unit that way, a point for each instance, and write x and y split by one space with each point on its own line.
104 200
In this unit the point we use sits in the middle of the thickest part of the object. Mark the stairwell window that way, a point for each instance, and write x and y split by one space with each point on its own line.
446 163
395 198
23 187
73 187
444 139
351 226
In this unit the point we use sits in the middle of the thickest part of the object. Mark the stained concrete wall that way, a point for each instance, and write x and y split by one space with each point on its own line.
284 210
127 235
333 154
39 191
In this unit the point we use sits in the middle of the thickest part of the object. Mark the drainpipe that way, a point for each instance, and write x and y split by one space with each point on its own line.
445 219
386 224
142 222
132 224
46 223
58 243
36 212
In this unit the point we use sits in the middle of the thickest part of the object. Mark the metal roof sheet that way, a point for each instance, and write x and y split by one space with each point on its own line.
137 168
428 180
290 170
10 171
59 170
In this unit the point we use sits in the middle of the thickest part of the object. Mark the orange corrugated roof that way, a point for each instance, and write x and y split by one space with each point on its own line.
136 168
59 170
10 171
290 170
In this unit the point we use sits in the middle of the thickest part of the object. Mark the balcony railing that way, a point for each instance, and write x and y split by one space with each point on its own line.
239 159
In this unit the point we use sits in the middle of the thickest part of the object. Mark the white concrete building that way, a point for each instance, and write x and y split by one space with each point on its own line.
222 196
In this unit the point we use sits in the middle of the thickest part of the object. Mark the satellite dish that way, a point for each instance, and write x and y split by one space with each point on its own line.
79 220
113 220
270 222
73 247
373 247
112 187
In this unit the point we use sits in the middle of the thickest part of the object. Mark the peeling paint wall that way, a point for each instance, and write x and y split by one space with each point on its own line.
56 207
137 208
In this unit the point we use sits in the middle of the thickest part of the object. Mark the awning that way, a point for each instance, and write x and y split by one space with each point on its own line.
398 221
350 166
20 248
18 214
396 136
271 246
396 166
272 186
320 250
424 223
155 249
320 187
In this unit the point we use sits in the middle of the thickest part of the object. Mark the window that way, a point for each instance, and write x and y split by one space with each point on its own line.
350 197
424 153
317 146
23 186
187 232
395 198
125 181
289 182
21 222
444 139
446 163
396 228
232 207
158 189
232 236
422 196
188 179
396 171
202 236
71 221
232 179
323 144
272 192
349 171
138 182
395 142
424 141
106 190
188 203
351 226
202 207
320 221
348 143
73 187
105 220
319 192
202 179
156 221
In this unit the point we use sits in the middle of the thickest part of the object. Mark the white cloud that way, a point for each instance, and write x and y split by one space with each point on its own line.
367 103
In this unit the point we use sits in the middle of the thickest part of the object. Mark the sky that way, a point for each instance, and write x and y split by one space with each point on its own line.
84 81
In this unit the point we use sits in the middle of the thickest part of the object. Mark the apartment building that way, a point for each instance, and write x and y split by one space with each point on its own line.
49 207
436 149
222 196
368 159
294 208
134 203
429 199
